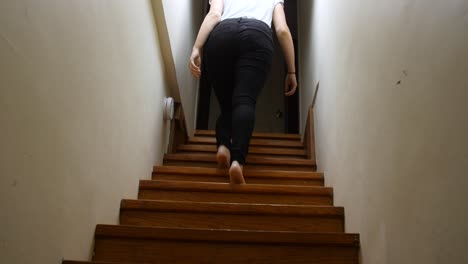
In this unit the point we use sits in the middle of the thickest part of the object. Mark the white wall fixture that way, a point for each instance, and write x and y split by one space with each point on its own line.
168 108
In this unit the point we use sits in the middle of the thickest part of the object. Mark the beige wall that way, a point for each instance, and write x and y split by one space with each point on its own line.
180 27
391 121
81 87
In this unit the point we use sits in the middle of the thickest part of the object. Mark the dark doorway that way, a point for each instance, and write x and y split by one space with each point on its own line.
275 112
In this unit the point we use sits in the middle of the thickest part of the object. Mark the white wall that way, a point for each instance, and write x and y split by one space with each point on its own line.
391 121
81 87
182 21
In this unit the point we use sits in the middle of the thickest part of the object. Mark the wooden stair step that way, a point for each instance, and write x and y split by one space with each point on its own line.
94 262
268 151
174 245
253 142
252 176
235 193
255 135
204 215
209 160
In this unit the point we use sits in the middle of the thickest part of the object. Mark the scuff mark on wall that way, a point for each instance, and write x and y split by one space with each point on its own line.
465 13
10 44
26 14
405 74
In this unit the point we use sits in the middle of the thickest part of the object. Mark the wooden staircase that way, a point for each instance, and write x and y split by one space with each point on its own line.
189 213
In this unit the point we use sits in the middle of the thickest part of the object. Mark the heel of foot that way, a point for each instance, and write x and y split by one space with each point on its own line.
223 157
236 175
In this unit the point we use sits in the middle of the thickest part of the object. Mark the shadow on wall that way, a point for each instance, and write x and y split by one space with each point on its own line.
307 74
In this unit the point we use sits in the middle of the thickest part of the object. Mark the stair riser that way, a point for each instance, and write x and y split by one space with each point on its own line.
225 179
263 155
232 221
255 135
234 197
262 143
253 151
248 166
177 251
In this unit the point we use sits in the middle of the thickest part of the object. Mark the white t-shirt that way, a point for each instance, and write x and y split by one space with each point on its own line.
258 9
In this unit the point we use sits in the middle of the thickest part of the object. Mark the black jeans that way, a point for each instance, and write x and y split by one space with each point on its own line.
237 59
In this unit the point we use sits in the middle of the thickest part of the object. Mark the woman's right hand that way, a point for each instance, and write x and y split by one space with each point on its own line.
290 84
195 63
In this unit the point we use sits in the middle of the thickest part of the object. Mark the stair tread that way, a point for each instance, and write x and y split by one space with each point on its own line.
236 188
210 158
253 175
248 172
253 142
252 150
232 208
220 235
94 262
232 216
211 133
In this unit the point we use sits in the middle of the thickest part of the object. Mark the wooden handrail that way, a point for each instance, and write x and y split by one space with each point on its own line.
309 135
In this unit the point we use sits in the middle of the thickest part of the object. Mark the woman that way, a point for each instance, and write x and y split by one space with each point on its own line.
236 39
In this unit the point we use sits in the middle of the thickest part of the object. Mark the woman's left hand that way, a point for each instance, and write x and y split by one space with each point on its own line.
290 84
195 63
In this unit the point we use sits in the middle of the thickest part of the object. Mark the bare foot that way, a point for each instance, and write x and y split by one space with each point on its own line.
223 157
235 173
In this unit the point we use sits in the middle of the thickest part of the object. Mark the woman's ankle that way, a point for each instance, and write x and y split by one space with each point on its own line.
236 163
